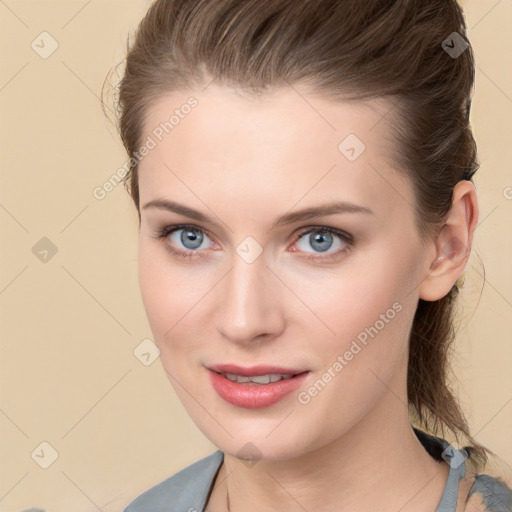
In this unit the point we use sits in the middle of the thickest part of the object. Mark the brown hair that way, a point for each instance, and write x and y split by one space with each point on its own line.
347 50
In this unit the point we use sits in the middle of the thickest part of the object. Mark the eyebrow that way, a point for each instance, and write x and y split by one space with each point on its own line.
288 218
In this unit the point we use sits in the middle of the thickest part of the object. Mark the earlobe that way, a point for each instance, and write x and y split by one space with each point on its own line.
444 271
452 244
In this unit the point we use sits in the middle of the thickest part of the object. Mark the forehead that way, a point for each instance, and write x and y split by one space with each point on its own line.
284 142
282 116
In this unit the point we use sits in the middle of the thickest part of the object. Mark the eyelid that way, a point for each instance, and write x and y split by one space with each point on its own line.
164 232
167 230
330 257
326 229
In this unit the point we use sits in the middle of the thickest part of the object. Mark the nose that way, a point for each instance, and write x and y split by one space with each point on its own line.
250 302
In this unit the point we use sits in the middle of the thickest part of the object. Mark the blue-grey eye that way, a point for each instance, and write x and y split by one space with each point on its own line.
320 240
190 238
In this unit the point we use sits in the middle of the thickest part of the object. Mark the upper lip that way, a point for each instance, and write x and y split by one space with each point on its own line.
248 371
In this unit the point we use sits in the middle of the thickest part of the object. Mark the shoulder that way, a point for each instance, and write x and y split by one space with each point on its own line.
485 488
490 487
185 491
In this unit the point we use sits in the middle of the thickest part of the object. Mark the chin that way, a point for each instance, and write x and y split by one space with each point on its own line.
253 442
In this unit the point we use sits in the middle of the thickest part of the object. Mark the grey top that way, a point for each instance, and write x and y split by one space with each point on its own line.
189 489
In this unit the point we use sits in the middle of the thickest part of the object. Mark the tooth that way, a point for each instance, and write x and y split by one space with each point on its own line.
274 377
236 378
261 379
257 379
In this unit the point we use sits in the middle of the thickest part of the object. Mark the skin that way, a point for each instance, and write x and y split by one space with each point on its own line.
245 161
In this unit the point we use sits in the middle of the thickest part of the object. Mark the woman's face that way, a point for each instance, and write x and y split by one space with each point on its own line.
261 287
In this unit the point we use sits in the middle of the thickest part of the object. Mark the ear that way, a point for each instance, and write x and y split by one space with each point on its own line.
452 244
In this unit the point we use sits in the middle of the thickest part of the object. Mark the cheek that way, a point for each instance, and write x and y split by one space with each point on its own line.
162 293
173 295
369 311
371 314
351 300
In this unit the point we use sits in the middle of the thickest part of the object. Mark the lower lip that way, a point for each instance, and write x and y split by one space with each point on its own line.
254 396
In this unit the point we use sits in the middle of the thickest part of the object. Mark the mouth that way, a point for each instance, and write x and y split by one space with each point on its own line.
257 379
257 386
255 371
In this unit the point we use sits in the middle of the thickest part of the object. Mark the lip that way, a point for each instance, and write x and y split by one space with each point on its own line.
254 370
254 396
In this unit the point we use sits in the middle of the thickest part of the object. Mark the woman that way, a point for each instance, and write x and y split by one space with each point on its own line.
302 171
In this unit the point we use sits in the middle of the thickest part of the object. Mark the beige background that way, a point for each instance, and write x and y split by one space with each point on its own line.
70 325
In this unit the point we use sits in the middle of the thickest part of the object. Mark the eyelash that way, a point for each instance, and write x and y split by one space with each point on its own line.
167 230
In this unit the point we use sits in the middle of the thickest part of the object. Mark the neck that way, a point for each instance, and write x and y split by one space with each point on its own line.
376 462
